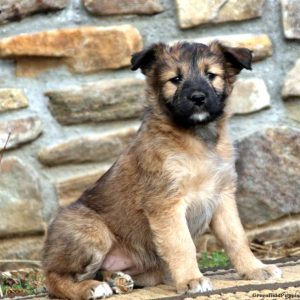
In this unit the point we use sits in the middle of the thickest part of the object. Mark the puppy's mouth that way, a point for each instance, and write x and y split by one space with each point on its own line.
187 111
206 112
200 113
199 117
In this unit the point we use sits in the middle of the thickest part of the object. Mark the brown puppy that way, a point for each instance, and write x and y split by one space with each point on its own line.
176 179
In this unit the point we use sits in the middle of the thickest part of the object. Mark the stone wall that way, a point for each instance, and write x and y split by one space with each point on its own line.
69 103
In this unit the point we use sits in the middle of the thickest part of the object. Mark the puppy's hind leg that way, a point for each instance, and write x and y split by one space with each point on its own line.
64 286
80 285
74 254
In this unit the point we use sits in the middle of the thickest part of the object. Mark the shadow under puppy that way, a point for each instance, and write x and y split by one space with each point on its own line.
176 179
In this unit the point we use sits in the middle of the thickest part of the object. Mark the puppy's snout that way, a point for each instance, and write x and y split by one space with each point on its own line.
198 98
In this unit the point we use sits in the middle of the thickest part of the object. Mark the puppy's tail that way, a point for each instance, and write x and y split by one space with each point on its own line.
64 286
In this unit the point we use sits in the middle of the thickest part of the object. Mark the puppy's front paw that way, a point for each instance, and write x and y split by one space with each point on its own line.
101 291
264 273
203 284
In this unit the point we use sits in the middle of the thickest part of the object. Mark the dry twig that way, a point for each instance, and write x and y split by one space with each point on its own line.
4 148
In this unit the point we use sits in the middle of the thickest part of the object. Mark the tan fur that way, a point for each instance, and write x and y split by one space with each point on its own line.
165 190
169 89
209 64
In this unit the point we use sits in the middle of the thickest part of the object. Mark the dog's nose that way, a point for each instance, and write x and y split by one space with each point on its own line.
198 98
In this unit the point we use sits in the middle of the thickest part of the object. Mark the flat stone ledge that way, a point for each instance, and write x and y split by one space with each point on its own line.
259 44
291 85
248 96
20 131
124 7
106 100
192 13
15 10
291 18
80 49
92 148
11 99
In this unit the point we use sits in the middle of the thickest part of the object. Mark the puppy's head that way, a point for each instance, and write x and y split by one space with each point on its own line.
191 81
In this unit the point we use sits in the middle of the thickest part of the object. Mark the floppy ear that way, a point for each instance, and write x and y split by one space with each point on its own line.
146 58
236 58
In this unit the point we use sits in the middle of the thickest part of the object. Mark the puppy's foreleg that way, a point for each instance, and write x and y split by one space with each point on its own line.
227 227
176 247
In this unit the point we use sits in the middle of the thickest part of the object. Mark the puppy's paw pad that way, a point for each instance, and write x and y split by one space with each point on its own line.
267 272
202 285
121 283
101 291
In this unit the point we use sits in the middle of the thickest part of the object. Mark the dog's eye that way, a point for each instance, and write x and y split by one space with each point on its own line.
211 76
176 80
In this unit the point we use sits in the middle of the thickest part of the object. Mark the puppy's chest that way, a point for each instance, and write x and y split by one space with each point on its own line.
199 181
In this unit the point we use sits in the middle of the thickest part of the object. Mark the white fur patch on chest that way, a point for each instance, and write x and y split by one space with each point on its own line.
200 211
200 182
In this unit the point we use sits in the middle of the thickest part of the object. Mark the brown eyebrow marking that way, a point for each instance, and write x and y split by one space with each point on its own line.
167 75
207 63
216 69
